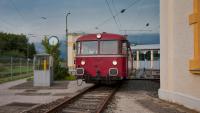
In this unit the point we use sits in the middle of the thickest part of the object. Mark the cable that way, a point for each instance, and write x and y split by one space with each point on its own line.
112 14
115 9
132 4
17 10
8 25
6 28
122 11
4 21
105 21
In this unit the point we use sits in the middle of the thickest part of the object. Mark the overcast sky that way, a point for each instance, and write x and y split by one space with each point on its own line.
25 16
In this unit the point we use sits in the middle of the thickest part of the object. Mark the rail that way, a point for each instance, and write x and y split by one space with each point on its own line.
93 100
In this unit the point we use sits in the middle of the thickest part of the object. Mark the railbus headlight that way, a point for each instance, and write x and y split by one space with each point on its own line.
82 62
114 62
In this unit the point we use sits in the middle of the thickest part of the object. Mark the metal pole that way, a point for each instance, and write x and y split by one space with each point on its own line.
66 23
152 59
67 35
27 66
11 61
66 26
138 59
20 64
66 40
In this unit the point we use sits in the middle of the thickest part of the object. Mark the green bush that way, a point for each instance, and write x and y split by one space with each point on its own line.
60 73
70 77
2 68
13 53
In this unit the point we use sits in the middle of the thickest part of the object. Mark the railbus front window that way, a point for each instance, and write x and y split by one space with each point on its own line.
89 47
108 47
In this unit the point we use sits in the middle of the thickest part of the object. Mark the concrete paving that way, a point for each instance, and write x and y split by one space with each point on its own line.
137 96
37 96
140 96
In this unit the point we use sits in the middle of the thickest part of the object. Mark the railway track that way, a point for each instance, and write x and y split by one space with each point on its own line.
94 100
90 100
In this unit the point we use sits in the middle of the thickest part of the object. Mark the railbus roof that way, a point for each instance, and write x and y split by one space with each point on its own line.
104 36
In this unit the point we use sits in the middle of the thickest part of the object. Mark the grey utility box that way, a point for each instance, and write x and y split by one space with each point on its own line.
43 70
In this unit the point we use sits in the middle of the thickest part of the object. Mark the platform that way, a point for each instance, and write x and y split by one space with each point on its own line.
20 93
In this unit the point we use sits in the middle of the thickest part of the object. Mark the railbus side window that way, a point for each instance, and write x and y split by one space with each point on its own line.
78 48
74 46
124 48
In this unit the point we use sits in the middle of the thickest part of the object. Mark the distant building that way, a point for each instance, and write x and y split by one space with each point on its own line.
146 56
146 60
72 37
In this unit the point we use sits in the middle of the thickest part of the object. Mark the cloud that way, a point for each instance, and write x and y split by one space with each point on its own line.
85 15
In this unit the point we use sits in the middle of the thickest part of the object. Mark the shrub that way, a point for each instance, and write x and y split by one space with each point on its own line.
60 73
70 77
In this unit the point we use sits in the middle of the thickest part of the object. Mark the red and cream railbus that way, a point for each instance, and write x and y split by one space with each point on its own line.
103 57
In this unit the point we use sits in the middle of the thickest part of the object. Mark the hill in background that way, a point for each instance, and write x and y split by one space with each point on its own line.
142 39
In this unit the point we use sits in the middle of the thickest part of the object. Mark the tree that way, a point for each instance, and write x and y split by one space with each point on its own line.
16 45
59 72
31 50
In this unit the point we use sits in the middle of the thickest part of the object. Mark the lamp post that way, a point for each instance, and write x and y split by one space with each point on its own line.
67 14
66 22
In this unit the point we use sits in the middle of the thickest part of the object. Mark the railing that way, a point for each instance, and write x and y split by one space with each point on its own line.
146 65
14 68
147 69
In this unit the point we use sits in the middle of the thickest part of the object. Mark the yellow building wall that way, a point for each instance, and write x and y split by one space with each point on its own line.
178 84
71 52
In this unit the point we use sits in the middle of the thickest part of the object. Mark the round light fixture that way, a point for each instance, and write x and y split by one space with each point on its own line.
98 36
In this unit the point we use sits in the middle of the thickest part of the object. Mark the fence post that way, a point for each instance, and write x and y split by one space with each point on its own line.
11 61
27 66
20 64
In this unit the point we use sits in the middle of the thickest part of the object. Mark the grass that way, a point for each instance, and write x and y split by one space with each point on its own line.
30 78
5 74
23 69
7 79
70 77
6 71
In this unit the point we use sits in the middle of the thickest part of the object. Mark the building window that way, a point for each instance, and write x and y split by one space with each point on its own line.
194 64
